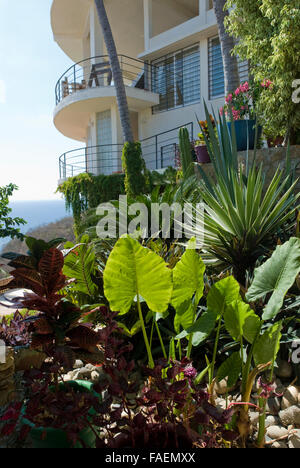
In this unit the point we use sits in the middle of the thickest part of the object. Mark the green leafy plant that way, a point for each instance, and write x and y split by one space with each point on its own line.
186 157
241 216
9 227
135 169
86 191
134 274
80 265
276 276
271 48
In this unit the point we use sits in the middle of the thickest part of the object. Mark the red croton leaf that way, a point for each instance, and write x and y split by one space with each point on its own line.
51 264
50 268
42 326
38 341
29 279
83 337
23 261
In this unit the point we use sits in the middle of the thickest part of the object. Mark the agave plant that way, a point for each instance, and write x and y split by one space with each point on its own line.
241 216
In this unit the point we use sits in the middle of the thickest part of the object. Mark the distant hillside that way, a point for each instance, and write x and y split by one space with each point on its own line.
62 228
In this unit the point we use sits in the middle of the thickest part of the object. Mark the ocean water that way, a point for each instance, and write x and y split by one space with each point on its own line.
36 213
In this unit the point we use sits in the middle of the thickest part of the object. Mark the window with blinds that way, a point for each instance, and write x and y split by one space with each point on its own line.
176 77
216 70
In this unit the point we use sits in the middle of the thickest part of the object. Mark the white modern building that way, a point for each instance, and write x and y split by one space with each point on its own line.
171 60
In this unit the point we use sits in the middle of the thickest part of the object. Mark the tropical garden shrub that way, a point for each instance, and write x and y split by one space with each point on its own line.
271 48
88 191
9 227
242 218
135 169
166 398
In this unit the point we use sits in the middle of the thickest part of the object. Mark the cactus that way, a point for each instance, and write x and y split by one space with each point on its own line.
186 156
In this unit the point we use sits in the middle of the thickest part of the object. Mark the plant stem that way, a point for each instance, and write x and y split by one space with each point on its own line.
161 340
190 345
262 423
215 351
247 367
150 358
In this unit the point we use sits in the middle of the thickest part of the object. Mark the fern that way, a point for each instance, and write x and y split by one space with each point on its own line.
80 265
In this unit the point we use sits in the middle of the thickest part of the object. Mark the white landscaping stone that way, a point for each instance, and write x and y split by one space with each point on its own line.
294 440
78 364
279 444
290 397
275 432
254 415
95 376
271 421
290 415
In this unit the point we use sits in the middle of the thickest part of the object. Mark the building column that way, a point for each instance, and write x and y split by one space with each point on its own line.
203 8
148 31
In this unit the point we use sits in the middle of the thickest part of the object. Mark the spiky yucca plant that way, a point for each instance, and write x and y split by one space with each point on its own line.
242 216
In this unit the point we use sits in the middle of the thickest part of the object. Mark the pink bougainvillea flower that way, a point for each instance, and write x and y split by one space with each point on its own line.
267 84
245 87
229 98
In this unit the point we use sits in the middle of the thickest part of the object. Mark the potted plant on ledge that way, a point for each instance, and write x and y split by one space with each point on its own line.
200 145
241 103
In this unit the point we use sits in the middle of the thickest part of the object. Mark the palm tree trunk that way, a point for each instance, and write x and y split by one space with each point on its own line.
116 71
231 71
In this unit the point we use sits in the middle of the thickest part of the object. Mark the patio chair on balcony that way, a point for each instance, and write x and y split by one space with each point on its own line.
100 69
65 88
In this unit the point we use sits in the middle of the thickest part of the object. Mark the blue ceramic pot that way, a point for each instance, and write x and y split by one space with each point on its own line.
243 128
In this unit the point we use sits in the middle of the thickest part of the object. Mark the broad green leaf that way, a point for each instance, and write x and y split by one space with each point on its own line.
241 321
276 276
184 316
188 278
81 265
133 331
267 345
230 368
132 270
201 329
221 293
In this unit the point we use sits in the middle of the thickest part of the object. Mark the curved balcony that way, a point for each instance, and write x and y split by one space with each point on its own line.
87 87
159 152
95 72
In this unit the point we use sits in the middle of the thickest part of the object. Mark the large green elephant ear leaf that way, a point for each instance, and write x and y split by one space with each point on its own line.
276 276
221 293
267 345
188 277
241 321
133 270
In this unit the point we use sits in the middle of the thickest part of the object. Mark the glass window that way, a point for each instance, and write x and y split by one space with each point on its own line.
176 77
215 69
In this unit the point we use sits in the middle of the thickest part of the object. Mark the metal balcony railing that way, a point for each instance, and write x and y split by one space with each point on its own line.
159 152
96 71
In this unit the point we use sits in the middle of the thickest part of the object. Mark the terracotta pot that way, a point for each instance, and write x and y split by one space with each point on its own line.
202 154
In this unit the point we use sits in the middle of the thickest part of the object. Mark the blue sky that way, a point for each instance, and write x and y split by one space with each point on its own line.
30 65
